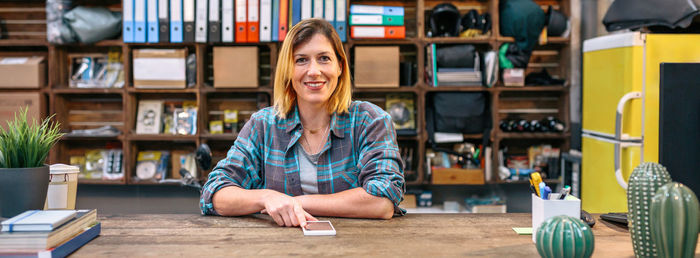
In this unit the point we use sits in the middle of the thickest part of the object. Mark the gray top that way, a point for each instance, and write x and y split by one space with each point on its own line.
308 170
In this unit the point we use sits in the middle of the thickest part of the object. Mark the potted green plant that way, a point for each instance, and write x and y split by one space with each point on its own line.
24 178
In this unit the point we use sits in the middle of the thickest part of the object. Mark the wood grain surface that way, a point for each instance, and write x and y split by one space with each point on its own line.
413 235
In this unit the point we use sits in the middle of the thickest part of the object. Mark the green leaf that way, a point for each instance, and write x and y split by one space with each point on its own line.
25 145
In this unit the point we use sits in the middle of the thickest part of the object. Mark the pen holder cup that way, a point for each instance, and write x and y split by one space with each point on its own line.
544 209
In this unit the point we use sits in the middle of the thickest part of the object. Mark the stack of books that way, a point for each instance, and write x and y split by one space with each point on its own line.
377 22
444 76
51 233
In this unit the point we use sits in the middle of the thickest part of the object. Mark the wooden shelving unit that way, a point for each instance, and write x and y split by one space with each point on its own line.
124 101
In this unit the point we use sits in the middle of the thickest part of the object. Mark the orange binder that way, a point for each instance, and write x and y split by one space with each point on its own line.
378 32
284 19
241 19
253 21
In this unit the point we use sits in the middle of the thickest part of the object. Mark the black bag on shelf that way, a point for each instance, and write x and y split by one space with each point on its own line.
456 56
458 112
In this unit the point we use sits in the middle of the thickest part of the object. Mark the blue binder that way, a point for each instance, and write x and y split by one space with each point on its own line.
140 21
152 14
176 21
340 19
296 12
128 26
276 19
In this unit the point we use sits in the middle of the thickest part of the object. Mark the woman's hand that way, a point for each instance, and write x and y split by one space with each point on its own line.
285 210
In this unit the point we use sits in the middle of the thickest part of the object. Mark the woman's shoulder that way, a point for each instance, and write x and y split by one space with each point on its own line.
366 110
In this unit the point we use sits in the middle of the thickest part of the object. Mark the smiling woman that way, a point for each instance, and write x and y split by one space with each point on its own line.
315 152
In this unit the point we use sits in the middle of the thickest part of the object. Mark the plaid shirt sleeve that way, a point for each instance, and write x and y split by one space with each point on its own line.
381 164
239 168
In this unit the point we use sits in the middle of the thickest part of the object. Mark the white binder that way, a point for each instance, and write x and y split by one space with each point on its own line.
200 33
265 20
227 25
317 9
306 9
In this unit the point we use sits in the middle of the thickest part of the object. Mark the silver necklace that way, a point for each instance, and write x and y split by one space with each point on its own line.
318 147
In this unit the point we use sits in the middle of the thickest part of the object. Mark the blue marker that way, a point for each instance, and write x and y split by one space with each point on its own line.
547 191
542 186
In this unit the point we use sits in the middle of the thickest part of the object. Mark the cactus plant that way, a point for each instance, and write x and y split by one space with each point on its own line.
644 181
674 220
565 236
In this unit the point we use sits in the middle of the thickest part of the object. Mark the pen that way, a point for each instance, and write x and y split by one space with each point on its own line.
564 192
535 180
542 186
546 193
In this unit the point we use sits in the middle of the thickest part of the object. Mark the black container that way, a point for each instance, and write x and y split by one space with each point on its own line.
22 189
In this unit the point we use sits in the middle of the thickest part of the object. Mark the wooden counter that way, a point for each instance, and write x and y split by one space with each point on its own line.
413 235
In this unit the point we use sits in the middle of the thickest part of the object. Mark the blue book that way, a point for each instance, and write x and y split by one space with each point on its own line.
63 249
276 19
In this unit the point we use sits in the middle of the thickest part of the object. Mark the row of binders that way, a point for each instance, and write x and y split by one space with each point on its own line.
240 21
382 22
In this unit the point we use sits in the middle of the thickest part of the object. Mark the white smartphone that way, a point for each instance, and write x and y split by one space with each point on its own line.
319 228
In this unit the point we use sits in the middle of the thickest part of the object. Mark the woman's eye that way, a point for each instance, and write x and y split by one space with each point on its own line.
325 58
300 60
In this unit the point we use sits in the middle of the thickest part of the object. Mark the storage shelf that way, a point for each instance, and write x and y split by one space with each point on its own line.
92 138
100 182
550 40
456 88
161 137
64 90
531 88
523 101
406 41
459 40
526 135
389 90
210 89
186 90
23 43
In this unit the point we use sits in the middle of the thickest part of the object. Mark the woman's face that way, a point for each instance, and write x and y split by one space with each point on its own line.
316 71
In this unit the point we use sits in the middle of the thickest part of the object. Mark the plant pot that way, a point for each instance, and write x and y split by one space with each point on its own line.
22 189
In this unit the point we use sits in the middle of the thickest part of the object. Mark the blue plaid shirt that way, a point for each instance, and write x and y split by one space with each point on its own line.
361 152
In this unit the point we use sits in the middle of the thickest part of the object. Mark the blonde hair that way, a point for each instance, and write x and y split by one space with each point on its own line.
284 95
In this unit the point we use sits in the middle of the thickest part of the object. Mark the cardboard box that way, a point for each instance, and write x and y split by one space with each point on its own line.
236 67
22 72
160 68
13 102
376 67
544 209
458 176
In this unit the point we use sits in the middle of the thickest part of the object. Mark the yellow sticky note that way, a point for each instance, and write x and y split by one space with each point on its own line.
523 231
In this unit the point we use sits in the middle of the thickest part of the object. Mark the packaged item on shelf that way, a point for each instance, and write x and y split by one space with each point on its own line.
159 68
230 121
402 111
22 72
230 72
113 165
216 127
376 66
94 164
148 118
152 165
